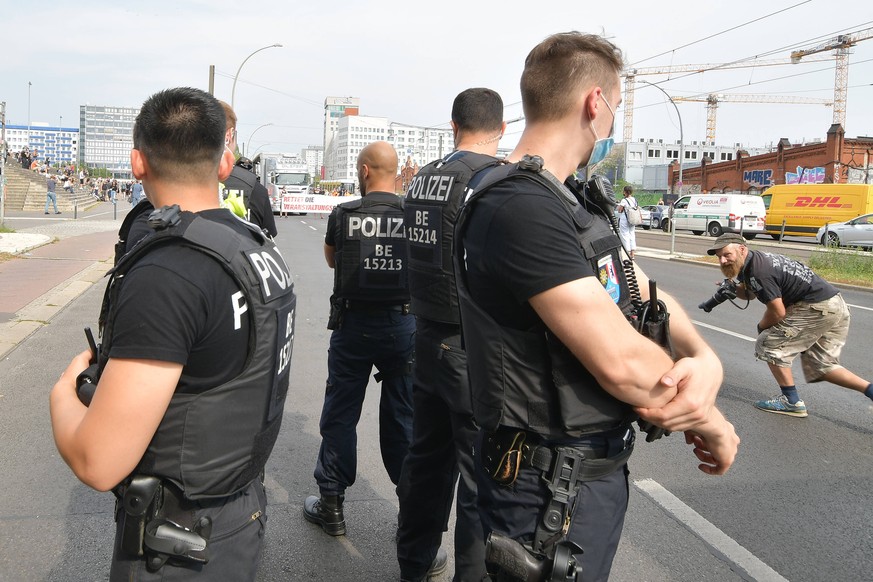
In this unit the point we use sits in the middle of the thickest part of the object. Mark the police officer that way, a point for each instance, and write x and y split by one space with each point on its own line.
556 371
443 429
191 360
241 191
366 247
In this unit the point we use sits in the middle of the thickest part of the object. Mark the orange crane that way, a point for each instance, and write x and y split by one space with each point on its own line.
713 99
630 76
842 47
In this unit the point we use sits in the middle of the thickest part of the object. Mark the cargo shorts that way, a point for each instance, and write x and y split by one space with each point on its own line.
814 331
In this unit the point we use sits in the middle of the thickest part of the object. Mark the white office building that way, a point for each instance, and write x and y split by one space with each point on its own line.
314 157
107 137
647 152
55 144
414 144
335 108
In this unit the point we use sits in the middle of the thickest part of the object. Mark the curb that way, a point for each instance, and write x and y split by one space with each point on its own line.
39 312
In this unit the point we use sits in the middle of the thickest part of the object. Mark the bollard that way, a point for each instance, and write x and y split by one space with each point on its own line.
114 211
782 231
75 208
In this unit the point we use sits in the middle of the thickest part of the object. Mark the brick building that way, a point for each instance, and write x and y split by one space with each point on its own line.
838 159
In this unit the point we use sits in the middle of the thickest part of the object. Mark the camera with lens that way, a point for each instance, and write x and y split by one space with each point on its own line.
727 289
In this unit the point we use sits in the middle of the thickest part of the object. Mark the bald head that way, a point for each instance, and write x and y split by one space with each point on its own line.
377 167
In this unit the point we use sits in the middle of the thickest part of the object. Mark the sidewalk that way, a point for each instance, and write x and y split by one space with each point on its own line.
53 264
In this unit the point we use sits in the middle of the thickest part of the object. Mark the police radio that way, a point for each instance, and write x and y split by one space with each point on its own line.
86 381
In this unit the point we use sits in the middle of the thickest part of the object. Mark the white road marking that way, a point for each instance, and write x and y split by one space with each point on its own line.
722 330
853 306
278 493
742 561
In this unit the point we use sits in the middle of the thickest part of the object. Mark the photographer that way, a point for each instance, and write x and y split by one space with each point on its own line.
557 372
805 316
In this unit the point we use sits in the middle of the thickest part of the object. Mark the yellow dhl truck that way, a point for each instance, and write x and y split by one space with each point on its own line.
804 208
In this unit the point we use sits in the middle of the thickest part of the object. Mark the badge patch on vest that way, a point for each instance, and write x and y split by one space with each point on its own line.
284 347
432 187
383 264
425 232
609 277
272 272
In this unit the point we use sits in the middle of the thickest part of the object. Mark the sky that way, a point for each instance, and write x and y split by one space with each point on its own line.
407 60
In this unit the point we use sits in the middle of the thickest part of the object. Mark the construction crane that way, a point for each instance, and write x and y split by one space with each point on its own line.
713 99
630 76
842 46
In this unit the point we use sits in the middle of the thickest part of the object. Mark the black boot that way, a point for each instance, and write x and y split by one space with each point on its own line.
326 511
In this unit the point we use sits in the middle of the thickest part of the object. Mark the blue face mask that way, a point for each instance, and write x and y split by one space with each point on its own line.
602 146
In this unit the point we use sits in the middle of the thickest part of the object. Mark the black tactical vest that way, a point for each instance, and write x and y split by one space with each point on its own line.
528 379
431 209
370 259
213 444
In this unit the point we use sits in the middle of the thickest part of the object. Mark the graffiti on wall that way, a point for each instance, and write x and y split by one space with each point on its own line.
758 177
805 176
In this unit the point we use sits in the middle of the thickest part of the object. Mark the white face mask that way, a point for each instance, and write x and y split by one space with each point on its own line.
604 145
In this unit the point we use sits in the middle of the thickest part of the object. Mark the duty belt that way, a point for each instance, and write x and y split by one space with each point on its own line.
564 467
373 307
507 451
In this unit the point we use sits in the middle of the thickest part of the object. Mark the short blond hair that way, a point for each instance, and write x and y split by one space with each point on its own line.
561 66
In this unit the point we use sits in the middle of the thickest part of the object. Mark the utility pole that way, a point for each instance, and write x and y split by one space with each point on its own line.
212 79
29 84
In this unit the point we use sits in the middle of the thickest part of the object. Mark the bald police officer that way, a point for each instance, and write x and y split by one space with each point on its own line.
365 245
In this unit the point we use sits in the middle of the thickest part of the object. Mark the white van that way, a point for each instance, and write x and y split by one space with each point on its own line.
719 213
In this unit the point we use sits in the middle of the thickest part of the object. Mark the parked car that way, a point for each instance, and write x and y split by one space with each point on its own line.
857 232
644 214
657 215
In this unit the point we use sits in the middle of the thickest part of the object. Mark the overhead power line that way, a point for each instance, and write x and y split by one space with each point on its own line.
723 32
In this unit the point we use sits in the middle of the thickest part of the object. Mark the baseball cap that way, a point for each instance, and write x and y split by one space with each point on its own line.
724 240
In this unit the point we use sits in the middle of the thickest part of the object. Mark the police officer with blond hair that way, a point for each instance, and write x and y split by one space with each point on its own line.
557 371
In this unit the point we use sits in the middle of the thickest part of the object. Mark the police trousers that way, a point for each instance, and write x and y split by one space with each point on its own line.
442 448
367 339
238 524
596 520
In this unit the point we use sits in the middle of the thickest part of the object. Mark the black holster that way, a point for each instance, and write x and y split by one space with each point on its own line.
159 524
337 310
139 502
506 560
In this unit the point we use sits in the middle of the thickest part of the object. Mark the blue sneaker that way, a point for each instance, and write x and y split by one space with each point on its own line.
780 405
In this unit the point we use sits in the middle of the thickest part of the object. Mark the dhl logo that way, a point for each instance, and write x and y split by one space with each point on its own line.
818 202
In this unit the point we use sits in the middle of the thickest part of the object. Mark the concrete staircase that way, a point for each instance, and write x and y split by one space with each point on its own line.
26 190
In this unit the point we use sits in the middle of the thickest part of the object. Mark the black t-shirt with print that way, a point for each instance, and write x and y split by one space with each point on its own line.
176 304
520 241
771 276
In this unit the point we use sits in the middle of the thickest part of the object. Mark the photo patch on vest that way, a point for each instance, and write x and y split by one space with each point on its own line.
609 277
284 347
424 229
271 271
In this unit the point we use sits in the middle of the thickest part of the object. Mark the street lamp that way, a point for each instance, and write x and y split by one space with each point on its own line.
235 77
246 144
28 114
681 157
